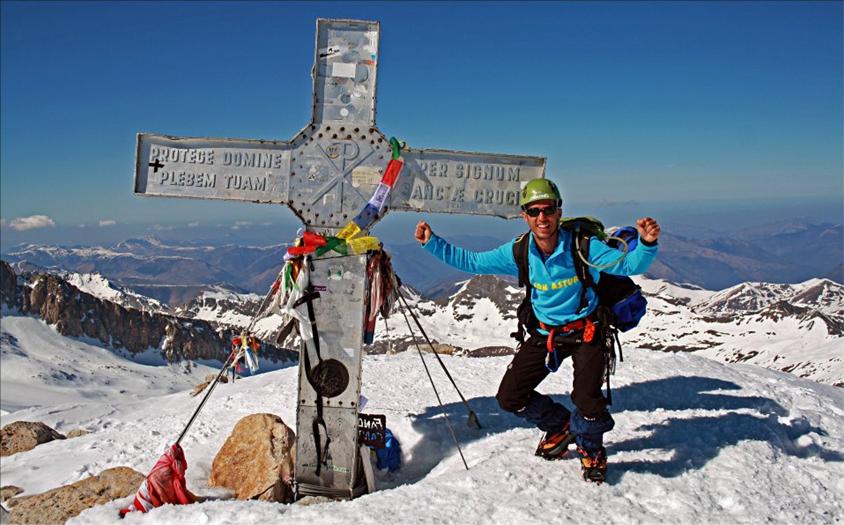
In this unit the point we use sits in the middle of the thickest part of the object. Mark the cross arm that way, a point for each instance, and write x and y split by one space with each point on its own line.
202 168
442 181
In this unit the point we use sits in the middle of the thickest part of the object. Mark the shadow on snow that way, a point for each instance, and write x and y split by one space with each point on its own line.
691 441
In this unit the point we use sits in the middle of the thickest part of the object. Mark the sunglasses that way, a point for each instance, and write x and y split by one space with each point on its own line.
546 210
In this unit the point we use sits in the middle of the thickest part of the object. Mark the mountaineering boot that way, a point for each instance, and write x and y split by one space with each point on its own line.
554 445
593 465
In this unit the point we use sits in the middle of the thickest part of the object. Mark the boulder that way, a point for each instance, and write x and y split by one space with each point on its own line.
8 492
21 436
257 459
8 285
207 381
77 432
61 504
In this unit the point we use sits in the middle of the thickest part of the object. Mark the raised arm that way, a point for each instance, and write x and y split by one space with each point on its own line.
637 261
496 261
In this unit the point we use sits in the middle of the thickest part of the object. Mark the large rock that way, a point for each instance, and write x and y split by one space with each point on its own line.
77 432
8 492
257 459
207 381
61 504
8 284
21 436
78 314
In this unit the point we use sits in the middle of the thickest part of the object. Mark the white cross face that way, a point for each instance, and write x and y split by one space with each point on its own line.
328 172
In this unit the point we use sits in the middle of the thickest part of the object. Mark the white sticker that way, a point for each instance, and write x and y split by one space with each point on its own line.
365 175
349 351
373 43
343 69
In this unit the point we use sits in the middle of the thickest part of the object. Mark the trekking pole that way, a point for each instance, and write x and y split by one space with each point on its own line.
205 398
267 297
436 393
229 359
473 418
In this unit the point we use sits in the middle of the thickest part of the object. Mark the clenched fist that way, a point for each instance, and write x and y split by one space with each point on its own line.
648 229
423 232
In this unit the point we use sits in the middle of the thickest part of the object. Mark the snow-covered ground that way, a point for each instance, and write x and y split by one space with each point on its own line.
41 367
696 441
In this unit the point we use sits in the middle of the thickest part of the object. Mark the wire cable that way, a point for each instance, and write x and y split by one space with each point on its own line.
436 392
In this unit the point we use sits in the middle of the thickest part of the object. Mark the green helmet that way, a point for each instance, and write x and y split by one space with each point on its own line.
538 190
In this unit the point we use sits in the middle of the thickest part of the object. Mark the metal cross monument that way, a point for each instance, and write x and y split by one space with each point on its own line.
326 175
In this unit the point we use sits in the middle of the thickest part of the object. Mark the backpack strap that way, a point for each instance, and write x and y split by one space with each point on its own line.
520 255
526 320
581 235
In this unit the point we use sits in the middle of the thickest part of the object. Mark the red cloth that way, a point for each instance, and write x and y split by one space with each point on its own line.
164 484
392 172
310 242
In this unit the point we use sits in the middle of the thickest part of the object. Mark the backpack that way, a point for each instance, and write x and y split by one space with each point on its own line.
620 301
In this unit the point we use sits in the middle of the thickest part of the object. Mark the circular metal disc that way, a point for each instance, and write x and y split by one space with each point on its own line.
330 378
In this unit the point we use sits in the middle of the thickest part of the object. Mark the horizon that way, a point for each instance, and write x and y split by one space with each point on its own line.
707 219
643 104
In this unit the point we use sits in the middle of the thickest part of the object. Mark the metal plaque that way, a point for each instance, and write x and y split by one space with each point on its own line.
467 183
230 169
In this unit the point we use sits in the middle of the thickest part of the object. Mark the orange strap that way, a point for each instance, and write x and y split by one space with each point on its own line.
587 325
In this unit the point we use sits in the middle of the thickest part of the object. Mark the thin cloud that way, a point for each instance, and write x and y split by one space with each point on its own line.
30 223
193 224
239 224
108 222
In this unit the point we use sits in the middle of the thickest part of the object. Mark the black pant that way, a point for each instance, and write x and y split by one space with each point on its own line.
528 369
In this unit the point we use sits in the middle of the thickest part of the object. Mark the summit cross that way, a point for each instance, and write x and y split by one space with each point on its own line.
326 174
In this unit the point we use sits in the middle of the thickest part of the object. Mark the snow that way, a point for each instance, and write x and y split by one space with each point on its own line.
696 441
218 305
100 287
40 367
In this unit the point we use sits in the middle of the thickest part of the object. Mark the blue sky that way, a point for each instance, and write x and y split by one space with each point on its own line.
655 103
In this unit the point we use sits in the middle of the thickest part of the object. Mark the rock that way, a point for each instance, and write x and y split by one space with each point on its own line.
77 432
314 500
8 492
489 351
8 284
21 436
257 459
76 313
61 504
201 386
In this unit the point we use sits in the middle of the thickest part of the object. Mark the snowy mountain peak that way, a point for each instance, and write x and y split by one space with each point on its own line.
502 293
823 293
744 297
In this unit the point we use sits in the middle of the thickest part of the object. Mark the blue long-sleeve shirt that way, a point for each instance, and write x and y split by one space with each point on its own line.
556 288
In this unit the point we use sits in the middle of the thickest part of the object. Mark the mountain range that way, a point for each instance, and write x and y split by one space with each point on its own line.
795 328
785 252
